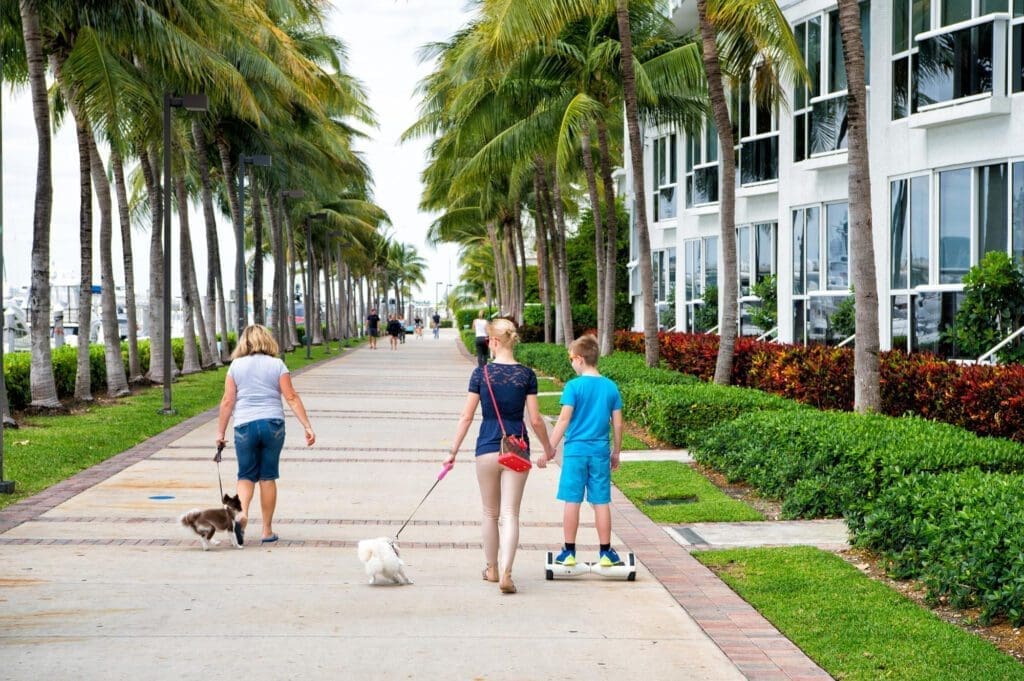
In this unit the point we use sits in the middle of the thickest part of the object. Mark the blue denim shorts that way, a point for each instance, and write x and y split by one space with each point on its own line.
586 477
258 447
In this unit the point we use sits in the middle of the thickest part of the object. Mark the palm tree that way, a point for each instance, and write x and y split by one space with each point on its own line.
867 388
42 385
736 34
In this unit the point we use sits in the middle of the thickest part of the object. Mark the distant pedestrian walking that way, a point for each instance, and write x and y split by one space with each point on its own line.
480 331
394 330
436 319
372 327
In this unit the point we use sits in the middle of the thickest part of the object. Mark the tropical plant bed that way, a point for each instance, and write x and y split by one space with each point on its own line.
855 627
1002 634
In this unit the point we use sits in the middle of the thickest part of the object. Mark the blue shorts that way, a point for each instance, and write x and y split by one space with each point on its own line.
586 477
258 447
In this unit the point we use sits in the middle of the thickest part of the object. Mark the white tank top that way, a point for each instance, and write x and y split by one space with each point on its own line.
258 380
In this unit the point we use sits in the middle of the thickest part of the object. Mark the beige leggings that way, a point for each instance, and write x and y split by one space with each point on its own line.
501 491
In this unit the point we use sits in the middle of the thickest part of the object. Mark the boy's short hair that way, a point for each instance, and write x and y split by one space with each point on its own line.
587 348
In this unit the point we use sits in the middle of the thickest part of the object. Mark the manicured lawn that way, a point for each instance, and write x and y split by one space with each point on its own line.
631 442
548 385
852 626
549 405
644 480
48 449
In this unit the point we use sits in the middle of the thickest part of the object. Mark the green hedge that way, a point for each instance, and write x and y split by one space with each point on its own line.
17 367
549 359
961 533
678 413
826 464
629 367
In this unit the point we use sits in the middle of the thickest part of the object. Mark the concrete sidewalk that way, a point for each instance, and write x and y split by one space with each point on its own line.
100 582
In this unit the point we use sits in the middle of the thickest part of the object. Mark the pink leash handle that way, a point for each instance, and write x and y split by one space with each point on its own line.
444 471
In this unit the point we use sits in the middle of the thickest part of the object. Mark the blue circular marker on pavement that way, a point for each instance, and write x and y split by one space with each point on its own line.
162 497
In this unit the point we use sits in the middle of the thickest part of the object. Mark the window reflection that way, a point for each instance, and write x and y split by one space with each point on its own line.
955 65
954 225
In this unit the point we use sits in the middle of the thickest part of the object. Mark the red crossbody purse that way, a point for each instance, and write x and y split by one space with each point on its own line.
513 447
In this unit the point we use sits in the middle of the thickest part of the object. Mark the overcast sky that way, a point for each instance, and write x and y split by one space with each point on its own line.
383 37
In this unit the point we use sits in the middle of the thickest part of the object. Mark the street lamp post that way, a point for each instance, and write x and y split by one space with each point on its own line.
310 219
258 160
190 103
279 274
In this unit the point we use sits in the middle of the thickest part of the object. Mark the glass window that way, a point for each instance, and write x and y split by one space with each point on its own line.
710 263
765 250
691 269
743 259
836 62
757 137
955 65
900 322
813 249
671 272
702 167
837 229
954 225
798 252
1017 58
1017 201
993 220
898 241
953 11
920 209
664 177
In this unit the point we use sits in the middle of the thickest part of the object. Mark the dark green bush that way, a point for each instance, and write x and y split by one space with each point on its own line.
678 413
835 463
961 533
549 359
627 367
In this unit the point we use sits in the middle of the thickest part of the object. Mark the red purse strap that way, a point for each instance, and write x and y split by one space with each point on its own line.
487 380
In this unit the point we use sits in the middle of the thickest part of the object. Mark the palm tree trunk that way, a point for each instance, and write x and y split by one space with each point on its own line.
214 277
131 311
561 272
867 391
117 381
156 268
317 329
42 385
190 299
651 350
728 294
228 171
595 207
611 222
540 225
521 295
277 296
83 371
293 332
258 307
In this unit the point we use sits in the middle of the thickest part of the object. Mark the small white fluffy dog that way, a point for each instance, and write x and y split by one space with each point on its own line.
380 558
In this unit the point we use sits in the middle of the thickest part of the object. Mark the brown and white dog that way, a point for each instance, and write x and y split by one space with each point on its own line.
206 523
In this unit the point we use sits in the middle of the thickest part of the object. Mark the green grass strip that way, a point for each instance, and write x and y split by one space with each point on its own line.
549 405
632 443
548 385
45 450
852 626
643 480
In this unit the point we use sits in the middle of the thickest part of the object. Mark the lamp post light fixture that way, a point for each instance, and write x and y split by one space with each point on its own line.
279 266
308 313
243 159
189 103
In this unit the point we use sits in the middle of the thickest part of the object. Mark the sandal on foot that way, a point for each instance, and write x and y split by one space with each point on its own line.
490 574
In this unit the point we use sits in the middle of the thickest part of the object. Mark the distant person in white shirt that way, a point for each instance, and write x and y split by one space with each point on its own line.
480 331
255 384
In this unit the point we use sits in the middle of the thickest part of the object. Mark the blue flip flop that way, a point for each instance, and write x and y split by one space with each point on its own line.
268 540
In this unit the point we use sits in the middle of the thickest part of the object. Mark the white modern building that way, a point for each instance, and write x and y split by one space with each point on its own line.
946 136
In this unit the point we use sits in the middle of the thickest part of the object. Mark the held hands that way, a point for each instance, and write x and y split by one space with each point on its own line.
549 454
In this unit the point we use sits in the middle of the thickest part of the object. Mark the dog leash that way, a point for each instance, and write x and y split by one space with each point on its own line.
440 477
220 448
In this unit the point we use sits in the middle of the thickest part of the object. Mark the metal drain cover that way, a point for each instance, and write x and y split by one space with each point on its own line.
672 501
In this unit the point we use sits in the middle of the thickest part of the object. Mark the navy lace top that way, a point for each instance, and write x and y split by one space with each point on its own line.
511 384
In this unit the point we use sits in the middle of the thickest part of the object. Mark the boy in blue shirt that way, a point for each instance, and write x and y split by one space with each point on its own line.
589 402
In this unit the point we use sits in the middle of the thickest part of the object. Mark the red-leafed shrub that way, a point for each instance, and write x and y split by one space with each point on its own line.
985 400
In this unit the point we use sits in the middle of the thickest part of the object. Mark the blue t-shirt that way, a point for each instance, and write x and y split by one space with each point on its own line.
593 399
511 384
